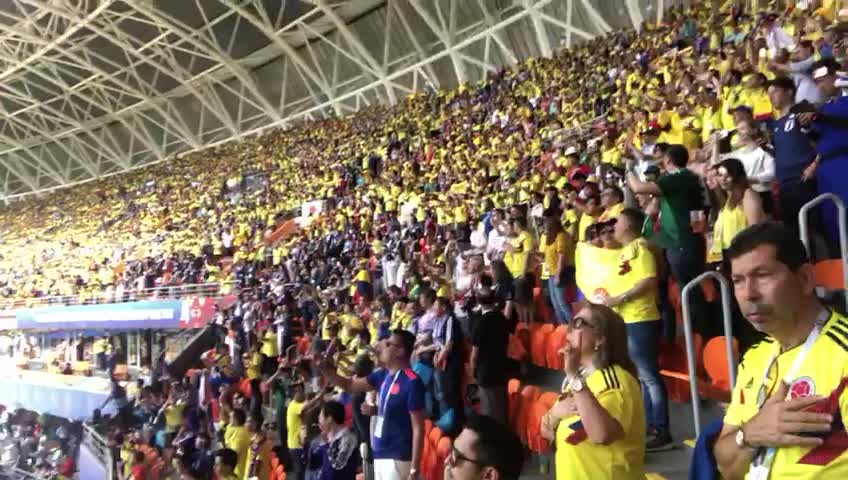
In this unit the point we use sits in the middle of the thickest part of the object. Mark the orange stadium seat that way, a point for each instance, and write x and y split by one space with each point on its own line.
540 407
538 342
715 363
675 370
529 394
829 274
556 340
513 387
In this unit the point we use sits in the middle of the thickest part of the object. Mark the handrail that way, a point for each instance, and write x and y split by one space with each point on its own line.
166 292
687 334
843 228
100 449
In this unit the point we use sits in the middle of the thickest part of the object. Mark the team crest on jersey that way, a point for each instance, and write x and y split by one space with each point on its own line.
802 387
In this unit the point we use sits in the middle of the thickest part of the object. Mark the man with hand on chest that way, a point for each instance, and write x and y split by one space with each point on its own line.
786 409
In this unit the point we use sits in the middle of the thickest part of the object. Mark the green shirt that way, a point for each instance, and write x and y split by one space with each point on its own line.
681 193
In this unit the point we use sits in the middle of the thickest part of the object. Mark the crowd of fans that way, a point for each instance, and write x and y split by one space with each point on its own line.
606 174
40 445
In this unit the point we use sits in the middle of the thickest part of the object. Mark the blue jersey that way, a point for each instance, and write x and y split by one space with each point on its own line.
832 138
399 394
793 150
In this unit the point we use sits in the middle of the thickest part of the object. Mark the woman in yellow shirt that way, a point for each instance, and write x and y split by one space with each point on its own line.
557 251
742 206
599 422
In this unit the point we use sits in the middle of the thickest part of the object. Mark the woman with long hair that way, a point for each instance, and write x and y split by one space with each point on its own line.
599 422
741 205
557 258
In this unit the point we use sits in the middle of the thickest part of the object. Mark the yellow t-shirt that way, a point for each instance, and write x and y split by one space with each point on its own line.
618 391
293 423
174 417
269 344
730 221
820 373
238 439
612 212
264 455
636 263
253 367
551 254
523 245
585 221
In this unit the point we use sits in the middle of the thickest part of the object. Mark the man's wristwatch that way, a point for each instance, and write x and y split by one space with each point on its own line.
413 471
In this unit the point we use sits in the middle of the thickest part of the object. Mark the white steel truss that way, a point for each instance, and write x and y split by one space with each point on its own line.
93 88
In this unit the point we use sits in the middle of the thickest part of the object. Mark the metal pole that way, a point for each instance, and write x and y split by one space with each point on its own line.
803 228
688 337
138 350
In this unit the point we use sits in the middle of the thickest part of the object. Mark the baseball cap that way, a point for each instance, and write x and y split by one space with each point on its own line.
824 67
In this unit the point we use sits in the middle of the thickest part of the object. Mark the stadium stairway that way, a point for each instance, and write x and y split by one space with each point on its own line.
189 356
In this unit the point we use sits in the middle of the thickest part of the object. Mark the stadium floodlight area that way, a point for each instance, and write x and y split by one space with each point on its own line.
92 88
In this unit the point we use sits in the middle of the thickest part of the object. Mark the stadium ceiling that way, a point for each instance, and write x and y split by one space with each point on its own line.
91 88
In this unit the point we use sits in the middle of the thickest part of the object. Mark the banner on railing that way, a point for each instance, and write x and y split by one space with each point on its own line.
144 314
197 312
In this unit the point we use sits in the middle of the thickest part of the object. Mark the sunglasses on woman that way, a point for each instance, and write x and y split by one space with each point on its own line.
580 322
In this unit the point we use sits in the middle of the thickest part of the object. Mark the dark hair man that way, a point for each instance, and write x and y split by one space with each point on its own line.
780 421
398 437
486 449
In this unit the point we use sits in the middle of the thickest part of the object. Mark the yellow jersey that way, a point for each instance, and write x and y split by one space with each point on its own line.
586 220
823 371
618 391
730 221
293 423
635 263
551 253
612 212
269 344
238 439
522 248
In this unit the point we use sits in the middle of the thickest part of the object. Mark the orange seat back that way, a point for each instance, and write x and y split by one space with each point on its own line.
829 274
529 394
513 400
715 362
538 343
556 340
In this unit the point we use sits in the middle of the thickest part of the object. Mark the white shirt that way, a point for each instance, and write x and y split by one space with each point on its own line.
805 86
759 166
777 39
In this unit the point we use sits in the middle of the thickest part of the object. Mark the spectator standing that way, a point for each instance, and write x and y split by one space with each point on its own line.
557 251
259 451
398 437
599 422
785 410
794 152
681 198
741 206
633 295
237 439
485 449
489 363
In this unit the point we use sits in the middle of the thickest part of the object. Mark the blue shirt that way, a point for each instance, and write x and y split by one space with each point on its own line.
793 150
399 394
832 138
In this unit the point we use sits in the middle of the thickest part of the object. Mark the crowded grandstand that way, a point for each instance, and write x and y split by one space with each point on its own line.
616 254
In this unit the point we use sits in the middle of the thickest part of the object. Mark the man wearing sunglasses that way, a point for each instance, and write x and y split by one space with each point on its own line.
485 449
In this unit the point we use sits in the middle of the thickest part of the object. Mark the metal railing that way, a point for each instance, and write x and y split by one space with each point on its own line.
804 229
689 340
166 292
100 449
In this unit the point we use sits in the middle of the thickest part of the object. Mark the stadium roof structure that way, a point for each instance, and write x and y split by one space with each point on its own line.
90 88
